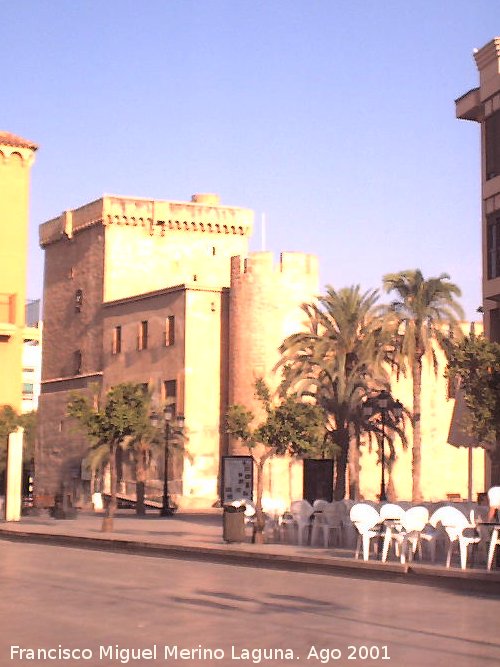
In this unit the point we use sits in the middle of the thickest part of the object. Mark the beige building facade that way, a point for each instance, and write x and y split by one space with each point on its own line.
482 105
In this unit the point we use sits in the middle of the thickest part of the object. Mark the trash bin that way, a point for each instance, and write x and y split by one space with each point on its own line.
233 523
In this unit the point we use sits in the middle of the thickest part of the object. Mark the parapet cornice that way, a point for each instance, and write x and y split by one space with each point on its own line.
158 216
155 216
488 54
9 153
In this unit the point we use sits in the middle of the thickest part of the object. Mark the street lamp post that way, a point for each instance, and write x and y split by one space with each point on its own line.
383 403
173 425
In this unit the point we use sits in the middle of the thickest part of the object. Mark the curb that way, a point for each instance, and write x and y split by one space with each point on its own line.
467 581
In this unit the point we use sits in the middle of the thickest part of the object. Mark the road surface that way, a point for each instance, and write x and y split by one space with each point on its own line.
63 606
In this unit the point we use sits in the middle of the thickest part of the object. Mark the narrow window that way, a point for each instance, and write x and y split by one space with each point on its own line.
142 339
116 346
493 246
170 387
78 300
77 361
169 330
492 145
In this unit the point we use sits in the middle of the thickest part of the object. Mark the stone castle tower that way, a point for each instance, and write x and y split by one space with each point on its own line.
265 308
155 292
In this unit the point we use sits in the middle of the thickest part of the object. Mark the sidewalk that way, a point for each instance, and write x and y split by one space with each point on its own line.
197 535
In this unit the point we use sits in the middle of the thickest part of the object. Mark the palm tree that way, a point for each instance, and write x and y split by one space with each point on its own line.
426 313
338 361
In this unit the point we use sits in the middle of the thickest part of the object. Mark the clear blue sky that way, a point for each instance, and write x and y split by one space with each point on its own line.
335 118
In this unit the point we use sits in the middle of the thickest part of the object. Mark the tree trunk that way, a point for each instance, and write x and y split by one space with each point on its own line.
140 477
342 437
140 508
416 424
354 468
107 524
260 520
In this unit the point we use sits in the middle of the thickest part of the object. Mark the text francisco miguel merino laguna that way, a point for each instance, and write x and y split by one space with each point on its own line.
168 652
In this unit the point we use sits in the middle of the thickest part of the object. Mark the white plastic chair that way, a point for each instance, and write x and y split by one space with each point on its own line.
327 522
495 540
302 510
494 498
408 537
336 515
391 514
455 524
366 519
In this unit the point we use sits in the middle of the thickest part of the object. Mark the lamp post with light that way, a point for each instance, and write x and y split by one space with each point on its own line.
383 404
173 426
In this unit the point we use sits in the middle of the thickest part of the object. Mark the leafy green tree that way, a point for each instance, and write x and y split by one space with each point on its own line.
29 423
476 362
291 427
9 422
338 360
426 315
122 422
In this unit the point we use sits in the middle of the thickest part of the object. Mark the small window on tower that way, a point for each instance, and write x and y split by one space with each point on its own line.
142 338
116 346
170 388
77 361
78 300
169 330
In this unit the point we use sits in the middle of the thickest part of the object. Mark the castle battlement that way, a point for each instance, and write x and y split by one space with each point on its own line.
203 214
262 263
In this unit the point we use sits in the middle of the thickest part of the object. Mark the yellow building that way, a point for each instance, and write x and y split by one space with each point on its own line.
16 158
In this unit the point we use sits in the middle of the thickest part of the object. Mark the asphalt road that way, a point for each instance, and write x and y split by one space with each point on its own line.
81 607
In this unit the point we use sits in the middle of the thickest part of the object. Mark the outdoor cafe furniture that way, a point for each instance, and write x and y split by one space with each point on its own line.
459 530
494 542
327 520
405 532
366 520
302 511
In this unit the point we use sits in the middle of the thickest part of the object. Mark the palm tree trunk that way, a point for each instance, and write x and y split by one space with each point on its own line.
417 437
342 437
354 468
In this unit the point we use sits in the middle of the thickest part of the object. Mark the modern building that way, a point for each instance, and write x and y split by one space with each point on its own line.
165 294
482 105
32 357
